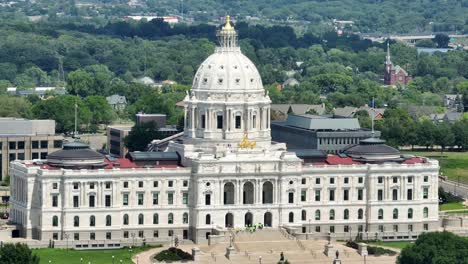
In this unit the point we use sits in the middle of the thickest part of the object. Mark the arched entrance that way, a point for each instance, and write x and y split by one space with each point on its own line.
248 219
229 220
229 193
267 219
248 193
267 193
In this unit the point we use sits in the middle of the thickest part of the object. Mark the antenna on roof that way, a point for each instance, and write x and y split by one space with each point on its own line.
372 117
75 133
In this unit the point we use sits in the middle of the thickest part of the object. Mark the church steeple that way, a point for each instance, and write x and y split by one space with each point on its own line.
387 58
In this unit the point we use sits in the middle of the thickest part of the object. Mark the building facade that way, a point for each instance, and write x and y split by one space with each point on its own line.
225 172
394 74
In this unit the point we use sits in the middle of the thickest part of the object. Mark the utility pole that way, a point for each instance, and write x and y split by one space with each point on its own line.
76 120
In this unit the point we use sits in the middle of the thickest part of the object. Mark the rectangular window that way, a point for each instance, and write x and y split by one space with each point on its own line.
58 143
12 145
360 194
108 185
155 233
410 228
76 201
360 228
346 195
346 229
381 228
55 236
44 155
203 121
55 186
20 156
155 184
410 179
91 186
346 180
125 234
170 183
170 198
92 236
291 197
140 199
219 122
395 228
54 201
254 121
125 199
409 194
317 195
108 235
91 201
303 181
426 178
155 198
207 199
426 227
394 194
35 144
140 184
380 179
76 236
425 193
76 186
108 200
332 180
185 198
125 184
185 183
238 122
380 195
170 233
35 155
317 229
395 179
332 229
44 144
332 195
20 144
360 180
12 156
303 195
317 180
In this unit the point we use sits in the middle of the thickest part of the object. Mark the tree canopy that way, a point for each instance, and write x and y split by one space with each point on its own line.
17 253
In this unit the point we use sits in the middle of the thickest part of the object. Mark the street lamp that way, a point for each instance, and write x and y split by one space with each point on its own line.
113 259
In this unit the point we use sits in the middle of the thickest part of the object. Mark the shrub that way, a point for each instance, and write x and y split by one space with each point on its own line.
173 254
446 197
372 250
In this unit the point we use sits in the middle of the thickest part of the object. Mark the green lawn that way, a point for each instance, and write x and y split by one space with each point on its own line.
62 256
457 212
452 206
393 244
453 164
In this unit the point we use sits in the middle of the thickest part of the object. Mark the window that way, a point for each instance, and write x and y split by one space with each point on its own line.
185 183
381 228
208 219
170 218
410 213
76 186
125 234
303 195
91 186
346 195
54 200
203 121
254 121
140 199
125 219
108 235
346 180
332 229
140 184
35 144
331 195
208 199
426 227
332 180
20 144
346 214
317 195
409 194
395 179
44 155
170 183
108 220
125 184
380 215
91 201
410 228
410 179
125 199
395 194
76 236
426 212
170 233
185 218
303 215
141 219
55 220
346 228
108 200
360 180
291 217
380 179
395 228
108 185
76 201
395 213
332 215
155 219
184 198
12 156
425 193
20 156
58 143
317 180
155 184
35 155
303 181
238 122
92 220
290 197
44 144
155 198
76 221
426 178
12 145
360 228
219 122
360 194
92 236
155 233
360 214
170 198
317 214
55 236
380 195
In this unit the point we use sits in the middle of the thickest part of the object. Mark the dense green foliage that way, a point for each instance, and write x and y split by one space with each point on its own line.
436 248
140 135
173 254
17 253
372 250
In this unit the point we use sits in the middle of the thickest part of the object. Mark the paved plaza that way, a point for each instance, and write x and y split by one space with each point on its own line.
267 245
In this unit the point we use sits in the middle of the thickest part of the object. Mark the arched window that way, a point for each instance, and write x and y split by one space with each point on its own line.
380 214
185 218
229 193
303 215
248 193
360 214
125 219
426 212
291 217
54 220
208 219
92 220
108 220
395 213
141 219
267 193
410 213
317 214
346 214
332 214
170 218
155 219
76 221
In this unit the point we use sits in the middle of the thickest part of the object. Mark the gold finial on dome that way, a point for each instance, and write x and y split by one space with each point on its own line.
228 26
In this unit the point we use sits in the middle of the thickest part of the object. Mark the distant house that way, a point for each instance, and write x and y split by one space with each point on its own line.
452 100
146 81
394 74
280 111
452 117
117 102
41 92
350 112
168 82
291 82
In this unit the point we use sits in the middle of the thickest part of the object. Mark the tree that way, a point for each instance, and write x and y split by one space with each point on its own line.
102 112
17 253
443 136
364 118
460 132
14 107
425 43
436 248
442 40
426 133
79 83
141 135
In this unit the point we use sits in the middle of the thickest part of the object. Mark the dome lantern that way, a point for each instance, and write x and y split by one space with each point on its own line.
227 36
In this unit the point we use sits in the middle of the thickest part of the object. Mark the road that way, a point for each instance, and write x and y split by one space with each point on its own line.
455 188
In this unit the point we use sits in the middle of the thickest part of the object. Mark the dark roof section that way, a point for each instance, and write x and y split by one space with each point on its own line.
154 156
371 146
309 153
76 155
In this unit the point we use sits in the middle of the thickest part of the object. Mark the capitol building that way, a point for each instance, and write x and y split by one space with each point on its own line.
224 173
